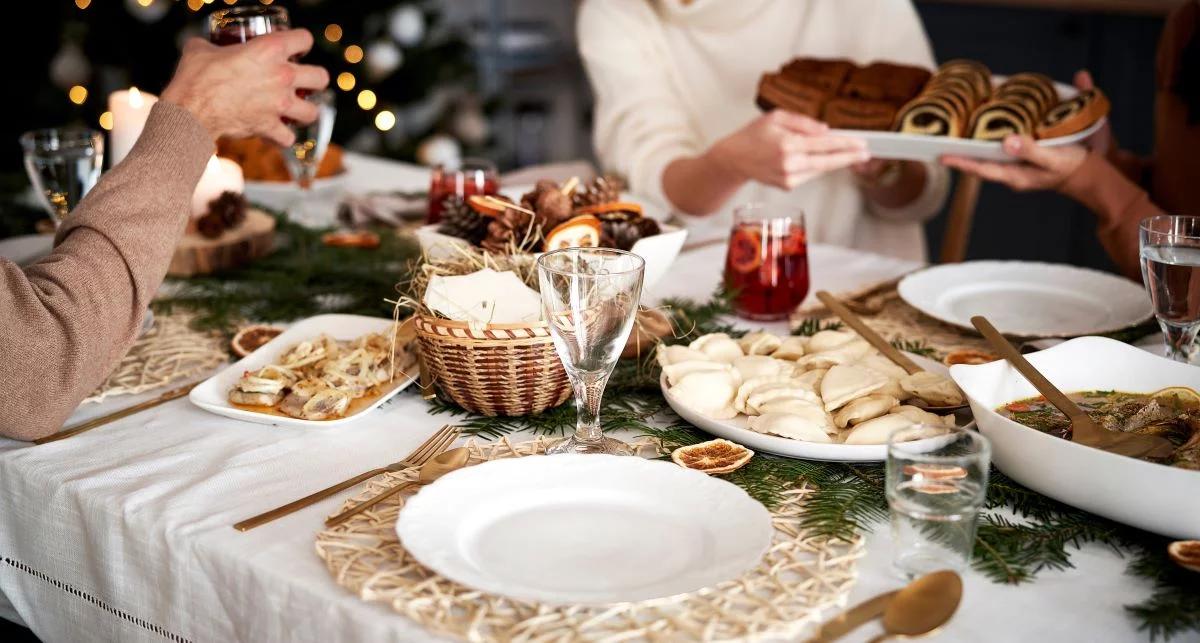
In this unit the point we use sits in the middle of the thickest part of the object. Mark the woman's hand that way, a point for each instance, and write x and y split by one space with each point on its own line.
785 149
1041 168
247 89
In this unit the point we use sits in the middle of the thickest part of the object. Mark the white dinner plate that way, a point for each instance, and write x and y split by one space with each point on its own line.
584 529
916 147
735 430
1026 298
280 195
213 394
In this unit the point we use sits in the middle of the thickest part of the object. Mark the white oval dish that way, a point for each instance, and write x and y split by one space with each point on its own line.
1027 298
584 529
1155 497
735 430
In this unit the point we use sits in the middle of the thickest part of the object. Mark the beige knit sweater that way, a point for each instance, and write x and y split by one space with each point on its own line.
69 317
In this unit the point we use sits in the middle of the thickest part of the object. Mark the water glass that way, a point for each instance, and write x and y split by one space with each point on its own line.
303 159
236 25
63 164
590 298
766 265
1170 251
935 488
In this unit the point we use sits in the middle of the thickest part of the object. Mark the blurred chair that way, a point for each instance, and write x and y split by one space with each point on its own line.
959 220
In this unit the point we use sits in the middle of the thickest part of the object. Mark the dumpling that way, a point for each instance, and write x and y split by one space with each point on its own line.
709 393
934 389
921 416
718 346
765 394
677 353
759 343
751 366
812 378
750 385
847 353
882 365
789 425
804 407
877 431
827 340
791 348
864 408
679 370
845 382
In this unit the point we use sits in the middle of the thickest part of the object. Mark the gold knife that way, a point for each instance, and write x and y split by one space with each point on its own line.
838 627
173 394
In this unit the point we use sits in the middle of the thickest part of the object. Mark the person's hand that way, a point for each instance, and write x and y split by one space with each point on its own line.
1102 140
784 149
247 89
1041 168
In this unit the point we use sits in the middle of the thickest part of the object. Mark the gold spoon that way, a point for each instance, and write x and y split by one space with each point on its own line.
1084 429
918 608
891 352
437 467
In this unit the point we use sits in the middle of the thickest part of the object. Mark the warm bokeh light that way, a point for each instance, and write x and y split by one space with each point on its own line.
333 33
83 4
354 54
78 94
345 81
366 99
145 3
385 120
106 121
195 5
266 1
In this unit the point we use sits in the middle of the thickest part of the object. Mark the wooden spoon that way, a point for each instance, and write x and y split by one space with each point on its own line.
920 607
884 346
1084 429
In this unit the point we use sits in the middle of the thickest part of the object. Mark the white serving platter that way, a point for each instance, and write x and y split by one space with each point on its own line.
280 195
584 529
213 394
1027 298
915 147
1155 497
735 430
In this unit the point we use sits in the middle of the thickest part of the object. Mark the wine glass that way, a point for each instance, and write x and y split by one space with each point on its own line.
590 298
1170 251
304 157
63 164
766 265
236 25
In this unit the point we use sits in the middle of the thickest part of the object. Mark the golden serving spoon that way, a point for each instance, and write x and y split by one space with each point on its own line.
439 466
918 608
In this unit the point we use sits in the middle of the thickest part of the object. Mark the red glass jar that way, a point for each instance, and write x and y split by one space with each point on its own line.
471 176
766 266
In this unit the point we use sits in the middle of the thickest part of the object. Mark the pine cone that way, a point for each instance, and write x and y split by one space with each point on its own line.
462 221
230 207
508 231
626 233
602 189
210 226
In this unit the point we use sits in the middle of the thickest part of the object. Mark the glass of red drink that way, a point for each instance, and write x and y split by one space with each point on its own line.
236 25
766 267
470 176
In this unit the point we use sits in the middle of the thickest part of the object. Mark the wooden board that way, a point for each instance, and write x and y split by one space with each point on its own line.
197 255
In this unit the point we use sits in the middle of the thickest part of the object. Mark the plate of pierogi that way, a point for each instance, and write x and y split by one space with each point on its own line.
830 396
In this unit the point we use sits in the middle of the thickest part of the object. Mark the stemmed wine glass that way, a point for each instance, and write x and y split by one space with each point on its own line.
1170 251
63 165
590 298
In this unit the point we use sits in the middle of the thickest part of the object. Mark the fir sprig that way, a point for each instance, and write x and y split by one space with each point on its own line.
814 325
916 347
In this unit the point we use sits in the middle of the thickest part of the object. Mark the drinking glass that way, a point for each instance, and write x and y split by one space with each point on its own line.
766 266
304 157
935 488
1170 250
63 165
236 25
589 299
469 177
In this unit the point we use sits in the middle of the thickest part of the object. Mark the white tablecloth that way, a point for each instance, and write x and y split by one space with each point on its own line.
123 533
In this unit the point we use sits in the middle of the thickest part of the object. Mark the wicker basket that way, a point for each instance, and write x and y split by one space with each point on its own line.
494 369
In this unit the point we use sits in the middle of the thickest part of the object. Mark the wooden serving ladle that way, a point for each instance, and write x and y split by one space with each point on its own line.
1084 429
884 346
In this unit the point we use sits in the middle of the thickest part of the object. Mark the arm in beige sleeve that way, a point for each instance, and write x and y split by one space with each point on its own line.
69 317
1119 205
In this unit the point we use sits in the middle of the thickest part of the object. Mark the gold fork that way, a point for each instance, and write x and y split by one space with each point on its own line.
437 443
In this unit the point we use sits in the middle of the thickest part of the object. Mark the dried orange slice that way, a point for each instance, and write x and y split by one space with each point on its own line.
488 205
712 457
250 338
969 356
935 472
579 232
612 206
1186 553
350 239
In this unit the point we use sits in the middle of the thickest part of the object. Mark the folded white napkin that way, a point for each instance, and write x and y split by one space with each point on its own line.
485 296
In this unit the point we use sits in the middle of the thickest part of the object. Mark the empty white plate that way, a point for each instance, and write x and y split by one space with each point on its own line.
584 529
1028 299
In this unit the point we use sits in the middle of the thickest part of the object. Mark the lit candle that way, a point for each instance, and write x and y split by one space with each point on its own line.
130 109
220 176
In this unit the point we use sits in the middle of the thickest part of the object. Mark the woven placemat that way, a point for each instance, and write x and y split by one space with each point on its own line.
800 576
171 351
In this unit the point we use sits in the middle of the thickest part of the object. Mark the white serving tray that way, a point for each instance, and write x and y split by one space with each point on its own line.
213 394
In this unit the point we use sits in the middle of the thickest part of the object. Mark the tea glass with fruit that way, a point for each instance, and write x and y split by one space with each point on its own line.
766 267
466 178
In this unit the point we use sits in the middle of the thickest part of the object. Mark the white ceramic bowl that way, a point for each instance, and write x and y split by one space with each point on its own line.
1154 497
659 251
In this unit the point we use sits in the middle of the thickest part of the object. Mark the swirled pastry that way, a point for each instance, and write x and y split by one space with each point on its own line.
975 72
1074 115
998 118
931 116
1037 87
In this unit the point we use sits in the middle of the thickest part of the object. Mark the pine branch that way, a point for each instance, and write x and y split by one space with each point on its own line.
814 325
916 347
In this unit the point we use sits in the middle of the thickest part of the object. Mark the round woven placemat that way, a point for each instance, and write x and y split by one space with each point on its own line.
800 576
171 351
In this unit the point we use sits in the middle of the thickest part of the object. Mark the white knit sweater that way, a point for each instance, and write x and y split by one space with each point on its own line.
670 79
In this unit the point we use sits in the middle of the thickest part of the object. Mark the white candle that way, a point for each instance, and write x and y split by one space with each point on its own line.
220 176
130 109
